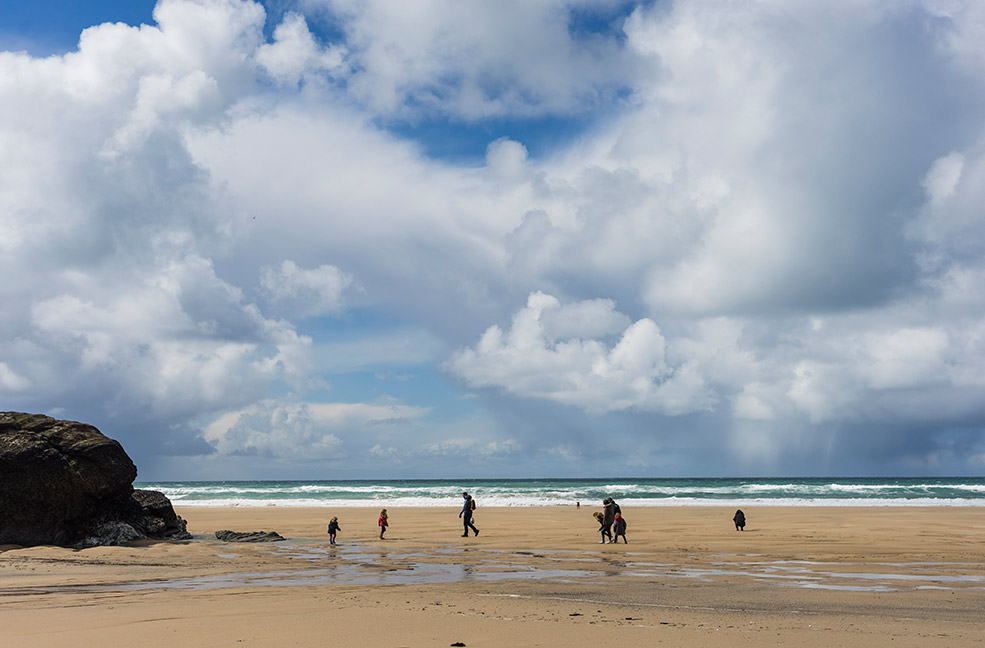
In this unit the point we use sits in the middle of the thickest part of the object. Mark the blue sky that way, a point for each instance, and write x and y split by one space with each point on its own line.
46 27
353 238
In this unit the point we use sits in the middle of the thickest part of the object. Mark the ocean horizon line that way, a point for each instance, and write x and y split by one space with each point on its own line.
653 491
555 478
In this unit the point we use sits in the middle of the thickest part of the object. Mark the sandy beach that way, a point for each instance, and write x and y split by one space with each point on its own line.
808 576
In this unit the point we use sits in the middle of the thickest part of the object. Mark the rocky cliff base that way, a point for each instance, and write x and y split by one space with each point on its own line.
65 483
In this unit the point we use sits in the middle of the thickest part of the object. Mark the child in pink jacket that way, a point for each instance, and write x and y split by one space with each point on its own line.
383 523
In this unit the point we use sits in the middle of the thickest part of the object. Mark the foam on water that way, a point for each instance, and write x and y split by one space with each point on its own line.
566 492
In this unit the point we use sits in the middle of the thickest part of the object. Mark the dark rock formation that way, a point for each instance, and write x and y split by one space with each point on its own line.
248 536
65 483
159 519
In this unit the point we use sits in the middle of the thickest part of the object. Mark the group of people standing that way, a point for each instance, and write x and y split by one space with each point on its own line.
612 526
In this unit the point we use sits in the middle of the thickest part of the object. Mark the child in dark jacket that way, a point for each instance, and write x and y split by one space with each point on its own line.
333 528
619 528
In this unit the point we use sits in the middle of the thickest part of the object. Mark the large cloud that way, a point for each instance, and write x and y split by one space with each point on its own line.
198 223
767 165
549 353
115 310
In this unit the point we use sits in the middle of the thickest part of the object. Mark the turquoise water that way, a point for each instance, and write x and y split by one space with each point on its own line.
920 491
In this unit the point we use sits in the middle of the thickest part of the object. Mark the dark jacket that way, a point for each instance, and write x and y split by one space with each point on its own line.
620 527
609 514
333 527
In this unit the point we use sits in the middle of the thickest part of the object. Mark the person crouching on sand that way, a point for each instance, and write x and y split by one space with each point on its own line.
619 528
598 518
383 523
740 520
333 528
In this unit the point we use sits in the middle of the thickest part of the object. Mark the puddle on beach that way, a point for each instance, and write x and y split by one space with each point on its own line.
350 569
807 574
357 574
351 564
795 573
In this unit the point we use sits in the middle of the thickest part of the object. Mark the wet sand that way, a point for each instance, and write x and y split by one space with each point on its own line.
534 577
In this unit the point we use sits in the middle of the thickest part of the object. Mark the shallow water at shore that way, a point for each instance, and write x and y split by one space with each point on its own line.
353 564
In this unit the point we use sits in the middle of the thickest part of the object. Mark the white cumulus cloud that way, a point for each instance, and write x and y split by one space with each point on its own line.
473 59
295 52
533 361
306 292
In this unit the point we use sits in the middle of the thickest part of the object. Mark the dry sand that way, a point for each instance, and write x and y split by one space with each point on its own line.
534 577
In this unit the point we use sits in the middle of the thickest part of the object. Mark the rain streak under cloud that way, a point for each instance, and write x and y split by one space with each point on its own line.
334 238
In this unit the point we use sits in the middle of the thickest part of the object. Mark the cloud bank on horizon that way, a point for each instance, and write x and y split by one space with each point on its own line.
676 238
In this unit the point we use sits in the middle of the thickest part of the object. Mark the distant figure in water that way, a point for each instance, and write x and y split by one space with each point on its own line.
383 523
740 520
333 528
619 529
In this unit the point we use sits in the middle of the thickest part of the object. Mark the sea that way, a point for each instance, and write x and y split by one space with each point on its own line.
814 491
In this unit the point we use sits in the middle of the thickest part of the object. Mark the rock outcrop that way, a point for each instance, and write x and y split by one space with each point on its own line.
249 536
65 483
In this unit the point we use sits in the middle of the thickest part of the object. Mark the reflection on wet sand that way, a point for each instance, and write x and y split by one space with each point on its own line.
358 565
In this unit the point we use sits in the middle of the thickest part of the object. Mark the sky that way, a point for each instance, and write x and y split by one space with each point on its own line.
341 239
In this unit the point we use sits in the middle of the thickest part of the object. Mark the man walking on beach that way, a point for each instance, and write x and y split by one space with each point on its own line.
466 515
